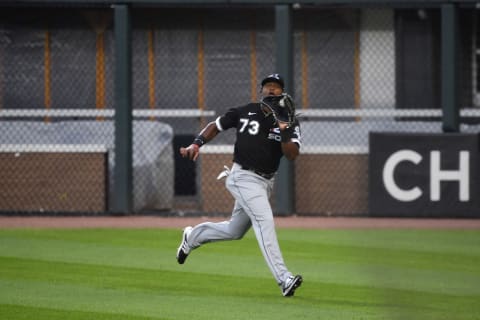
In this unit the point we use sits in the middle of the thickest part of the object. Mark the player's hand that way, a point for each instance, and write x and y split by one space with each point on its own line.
191 152
282 125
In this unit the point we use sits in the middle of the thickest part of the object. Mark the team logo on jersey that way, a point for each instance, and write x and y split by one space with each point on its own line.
275 134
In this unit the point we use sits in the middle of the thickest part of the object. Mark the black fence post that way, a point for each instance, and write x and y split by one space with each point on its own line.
123 177
449 68
284 185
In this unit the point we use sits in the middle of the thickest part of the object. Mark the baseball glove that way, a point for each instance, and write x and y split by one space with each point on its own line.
282 107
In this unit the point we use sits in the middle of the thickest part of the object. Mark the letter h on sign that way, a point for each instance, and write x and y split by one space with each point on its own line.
462 175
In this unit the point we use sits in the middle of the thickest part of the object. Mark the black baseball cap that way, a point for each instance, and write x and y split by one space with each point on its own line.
274 77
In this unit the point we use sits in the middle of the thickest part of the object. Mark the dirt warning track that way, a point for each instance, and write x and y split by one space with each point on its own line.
280 222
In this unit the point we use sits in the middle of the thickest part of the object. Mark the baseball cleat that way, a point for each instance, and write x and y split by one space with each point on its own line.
184 249
291 284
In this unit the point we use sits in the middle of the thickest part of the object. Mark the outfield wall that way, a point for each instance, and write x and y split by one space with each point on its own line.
318 192
353 68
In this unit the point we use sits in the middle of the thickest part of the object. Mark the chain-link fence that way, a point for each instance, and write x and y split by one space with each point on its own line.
355 70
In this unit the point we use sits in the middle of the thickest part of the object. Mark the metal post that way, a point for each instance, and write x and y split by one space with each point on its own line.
284 185
449 68
122 201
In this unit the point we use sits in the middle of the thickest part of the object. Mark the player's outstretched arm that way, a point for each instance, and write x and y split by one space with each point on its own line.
193 150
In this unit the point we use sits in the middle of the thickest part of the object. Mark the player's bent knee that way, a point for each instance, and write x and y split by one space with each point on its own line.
237 236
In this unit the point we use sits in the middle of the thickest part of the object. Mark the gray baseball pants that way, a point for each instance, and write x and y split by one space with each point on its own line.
252 208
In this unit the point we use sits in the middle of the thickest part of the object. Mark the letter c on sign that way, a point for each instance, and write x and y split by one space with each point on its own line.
388 172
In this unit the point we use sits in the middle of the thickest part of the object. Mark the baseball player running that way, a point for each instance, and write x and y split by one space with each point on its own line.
262 138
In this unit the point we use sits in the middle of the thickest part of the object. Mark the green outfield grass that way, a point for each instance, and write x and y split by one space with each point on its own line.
133 274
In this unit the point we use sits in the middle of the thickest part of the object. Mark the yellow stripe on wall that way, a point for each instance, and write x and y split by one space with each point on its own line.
100 73
201 71
2 92
46 74
356 73
305 102
253 63
151 71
